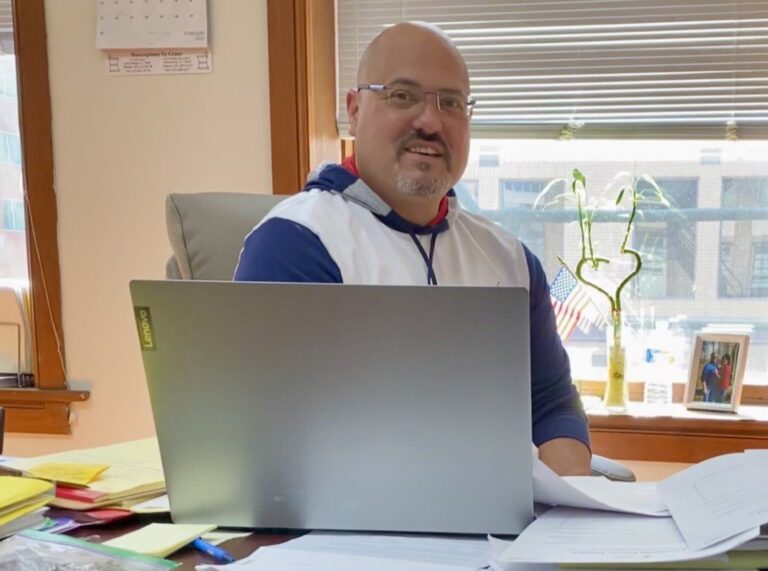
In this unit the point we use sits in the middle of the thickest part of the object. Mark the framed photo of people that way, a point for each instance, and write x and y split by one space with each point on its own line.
717 371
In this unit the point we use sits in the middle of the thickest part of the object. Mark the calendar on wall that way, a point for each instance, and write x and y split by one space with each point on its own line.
147 37
137 24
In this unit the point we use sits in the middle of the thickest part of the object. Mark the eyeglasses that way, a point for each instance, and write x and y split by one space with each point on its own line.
406 98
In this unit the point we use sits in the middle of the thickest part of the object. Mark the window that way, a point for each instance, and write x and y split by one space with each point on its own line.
13 216
669 245
13 259
741 239
677 290
519 195
468 193
489 161
760 269
26 143
675 90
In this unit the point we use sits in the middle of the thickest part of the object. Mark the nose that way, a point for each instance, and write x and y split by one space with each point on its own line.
429 118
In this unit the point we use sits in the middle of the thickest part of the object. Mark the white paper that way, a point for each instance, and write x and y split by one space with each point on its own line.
155 505
273 558
719 497
629 497
219 536
444 550
759 544
595 493
342 552
567 535
129 24
158 62
498 546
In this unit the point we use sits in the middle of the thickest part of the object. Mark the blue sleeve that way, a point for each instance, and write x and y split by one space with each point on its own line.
281 250
555 402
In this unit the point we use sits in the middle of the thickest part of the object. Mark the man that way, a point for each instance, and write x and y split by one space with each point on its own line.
388 216
710 379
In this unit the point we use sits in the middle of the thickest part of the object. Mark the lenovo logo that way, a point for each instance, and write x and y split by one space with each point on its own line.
144 325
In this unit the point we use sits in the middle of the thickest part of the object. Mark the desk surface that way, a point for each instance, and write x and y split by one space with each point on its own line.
242 547
647 471
189 557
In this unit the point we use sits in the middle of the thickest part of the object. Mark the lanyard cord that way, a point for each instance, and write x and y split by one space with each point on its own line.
431 277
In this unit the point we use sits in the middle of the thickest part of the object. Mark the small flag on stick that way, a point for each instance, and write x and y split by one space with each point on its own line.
571 304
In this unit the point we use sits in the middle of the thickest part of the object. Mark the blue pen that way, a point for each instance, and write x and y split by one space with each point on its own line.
216 552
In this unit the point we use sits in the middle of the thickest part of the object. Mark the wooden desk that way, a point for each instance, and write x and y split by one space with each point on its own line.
647 471
240 548
189 557
674 434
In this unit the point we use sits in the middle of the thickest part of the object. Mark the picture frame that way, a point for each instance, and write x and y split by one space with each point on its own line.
716 372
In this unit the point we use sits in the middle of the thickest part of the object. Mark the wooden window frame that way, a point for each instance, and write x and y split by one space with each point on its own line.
302 95
44 409
302 89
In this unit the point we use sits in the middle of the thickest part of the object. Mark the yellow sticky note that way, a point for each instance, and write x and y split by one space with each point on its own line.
160 539
68 472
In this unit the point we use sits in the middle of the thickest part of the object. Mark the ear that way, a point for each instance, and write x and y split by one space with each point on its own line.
353 109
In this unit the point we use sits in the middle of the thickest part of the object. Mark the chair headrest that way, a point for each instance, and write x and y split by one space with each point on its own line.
207 229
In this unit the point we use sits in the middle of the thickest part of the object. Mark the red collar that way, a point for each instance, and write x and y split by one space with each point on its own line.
442 210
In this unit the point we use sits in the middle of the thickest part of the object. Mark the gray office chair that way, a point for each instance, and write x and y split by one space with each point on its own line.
206 232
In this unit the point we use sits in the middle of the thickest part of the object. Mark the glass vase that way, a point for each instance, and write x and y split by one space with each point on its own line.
616 389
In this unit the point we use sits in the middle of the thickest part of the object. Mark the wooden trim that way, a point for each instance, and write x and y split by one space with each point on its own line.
347 148
37 157
11 397
283 96
39 418
320 25
679 435
39 411
302 85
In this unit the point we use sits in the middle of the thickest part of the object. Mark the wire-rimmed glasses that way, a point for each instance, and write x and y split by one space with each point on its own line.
454 104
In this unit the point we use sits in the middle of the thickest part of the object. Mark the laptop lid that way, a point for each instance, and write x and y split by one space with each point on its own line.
338 407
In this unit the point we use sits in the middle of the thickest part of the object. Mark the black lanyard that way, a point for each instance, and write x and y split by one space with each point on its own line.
431 277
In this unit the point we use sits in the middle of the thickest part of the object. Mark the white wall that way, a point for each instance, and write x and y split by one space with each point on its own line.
120 145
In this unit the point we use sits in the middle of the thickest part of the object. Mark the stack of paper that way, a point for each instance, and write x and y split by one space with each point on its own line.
700 515
61 521
120 474
21 503
353 552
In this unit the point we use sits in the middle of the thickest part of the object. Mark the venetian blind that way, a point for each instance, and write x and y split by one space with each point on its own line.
6 27
592 68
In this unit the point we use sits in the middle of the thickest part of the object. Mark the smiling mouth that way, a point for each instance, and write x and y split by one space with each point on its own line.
424 151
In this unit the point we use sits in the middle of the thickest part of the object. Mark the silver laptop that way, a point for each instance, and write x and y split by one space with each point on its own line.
336 407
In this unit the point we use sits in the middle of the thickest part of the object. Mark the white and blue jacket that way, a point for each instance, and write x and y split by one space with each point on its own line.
337 230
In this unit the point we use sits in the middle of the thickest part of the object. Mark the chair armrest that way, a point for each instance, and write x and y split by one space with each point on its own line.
602 466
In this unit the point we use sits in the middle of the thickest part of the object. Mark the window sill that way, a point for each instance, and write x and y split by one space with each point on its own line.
39 411
674 434
750 394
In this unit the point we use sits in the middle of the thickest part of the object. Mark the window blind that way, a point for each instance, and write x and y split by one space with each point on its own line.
6 27
591 68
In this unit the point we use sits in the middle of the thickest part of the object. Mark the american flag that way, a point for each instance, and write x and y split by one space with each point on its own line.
570 301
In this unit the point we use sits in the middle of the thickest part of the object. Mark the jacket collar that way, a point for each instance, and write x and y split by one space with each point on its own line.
335 178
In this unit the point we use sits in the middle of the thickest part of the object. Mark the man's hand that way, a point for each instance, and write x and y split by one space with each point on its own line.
566 456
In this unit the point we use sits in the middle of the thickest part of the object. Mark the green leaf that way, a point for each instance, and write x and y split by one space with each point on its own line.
620 196
546 190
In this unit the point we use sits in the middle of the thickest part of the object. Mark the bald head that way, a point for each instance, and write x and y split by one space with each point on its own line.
410 151
405 41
